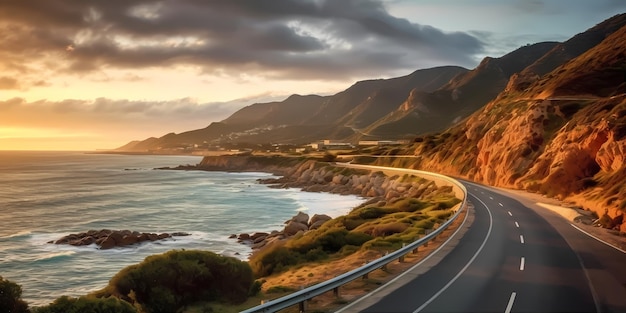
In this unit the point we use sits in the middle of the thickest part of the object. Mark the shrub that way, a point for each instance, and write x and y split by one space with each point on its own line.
273 259
11 297
389 229
87 304
332 241
371 213
357 238
169 281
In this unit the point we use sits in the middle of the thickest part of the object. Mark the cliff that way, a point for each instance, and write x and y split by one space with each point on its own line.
563 136
314 176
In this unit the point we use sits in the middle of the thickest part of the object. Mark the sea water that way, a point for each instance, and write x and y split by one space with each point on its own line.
47 195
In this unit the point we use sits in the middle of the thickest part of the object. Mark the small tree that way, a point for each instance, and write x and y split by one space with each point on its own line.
11 297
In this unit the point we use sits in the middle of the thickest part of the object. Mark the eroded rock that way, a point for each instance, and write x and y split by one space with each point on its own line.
107 239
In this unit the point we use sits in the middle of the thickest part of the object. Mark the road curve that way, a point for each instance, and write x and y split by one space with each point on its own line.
511 259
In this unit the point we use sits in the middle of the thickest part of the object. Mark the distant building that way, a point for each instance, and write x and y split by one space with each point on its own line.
364 143
330 145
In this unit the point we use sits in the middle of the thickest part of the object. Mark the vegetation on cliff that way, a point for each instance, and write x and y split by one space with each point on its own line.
11 297
170 281
376 225
87 304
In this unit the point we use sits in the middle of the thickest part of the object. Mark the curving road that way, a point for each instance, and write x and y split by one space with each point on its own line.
513 258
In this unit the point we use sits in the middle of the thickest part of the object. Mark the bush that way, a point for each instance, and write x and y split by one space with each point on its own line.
87 305
169 281
371 213
11 297
273 259
357 238
332 241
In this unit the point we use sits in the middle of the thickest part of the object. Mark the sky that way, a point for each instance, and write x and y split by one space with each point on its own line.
96 74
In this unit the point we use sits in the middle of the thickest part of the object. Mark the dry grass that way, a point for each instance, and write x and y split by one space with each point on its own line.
312 274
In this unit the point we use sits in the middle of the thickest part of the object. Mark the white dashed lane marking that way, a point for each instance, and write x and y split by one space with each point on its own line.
509 306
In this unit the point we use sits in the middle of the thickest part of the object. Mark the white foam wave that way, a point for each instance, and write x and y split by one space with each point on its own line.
23 233
54 255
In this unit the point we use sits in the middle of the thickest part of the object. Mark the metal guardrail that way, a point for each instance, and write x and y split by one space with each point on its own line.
299 297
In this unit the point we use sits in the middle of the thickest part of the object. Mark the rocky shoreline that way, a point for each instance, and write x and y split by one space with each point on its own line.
297 224
314 176
107 239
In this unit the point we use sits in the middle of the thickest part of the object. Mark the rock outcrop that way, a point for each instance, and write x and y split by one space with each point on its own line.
299 223
314 176
107 239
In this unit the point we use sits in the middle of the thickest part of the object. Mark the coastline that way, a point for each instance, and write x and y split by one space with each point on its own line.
79 192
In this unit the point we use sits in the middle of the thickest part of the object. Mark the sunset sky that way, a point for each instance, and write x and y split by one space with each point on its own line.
85 75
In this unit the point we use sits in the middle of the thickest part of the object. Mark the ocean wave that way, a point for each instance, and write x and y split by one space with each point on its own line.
55 255
23 233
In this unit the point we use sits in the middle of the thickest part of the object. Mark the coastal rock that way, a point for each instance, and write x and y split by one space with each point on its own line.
319 217
317 224
301 218
294 227
107 239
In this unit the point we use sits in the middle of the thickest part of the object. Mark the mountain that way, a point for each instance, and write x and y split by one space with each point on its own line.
303 119
425 101
566 51
424 112
564 135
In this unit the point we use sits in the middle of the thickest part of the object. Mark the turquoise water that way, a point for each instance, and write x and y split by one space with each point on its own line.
46 195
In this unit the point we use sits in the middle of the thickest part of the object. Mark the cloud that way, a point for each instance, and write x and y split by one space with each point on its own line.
287 39
8 83
103 116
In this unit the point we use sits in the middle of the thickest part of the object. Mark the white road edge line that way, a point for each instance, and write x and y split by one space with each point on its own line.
466 265
598 239
509 306
510 214
521 238
516 225
521 264
410 269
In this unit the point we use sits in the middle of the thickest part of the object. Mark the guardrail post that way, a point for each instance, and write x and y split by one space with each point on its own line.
366 275
384 267
302 306
336 292
401 259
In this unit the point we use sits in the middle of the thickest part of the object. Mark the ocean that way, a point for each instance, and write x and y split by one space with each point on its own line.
47 195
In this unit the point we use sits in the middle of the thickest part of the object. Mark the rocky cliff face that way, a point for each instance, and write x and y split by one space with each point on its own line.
563 136
242 163
314 176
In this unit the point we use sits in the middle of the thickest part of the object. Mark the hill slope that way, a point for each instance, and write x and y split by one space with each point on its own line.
564 136
424 112
425 101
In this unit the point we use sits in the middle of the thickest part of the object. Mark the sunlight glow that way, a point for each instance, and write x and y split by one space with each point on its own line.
31 133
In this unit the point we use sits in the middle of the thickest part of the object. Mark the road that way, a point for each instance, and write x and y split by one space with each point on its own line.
513 258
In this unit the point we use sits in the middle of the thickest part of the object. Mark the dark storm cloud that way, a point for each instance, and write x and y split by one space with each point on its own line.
281 38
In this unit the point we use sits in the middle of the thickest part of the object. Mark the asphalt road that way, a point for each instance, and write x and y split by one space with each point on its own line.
513 258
